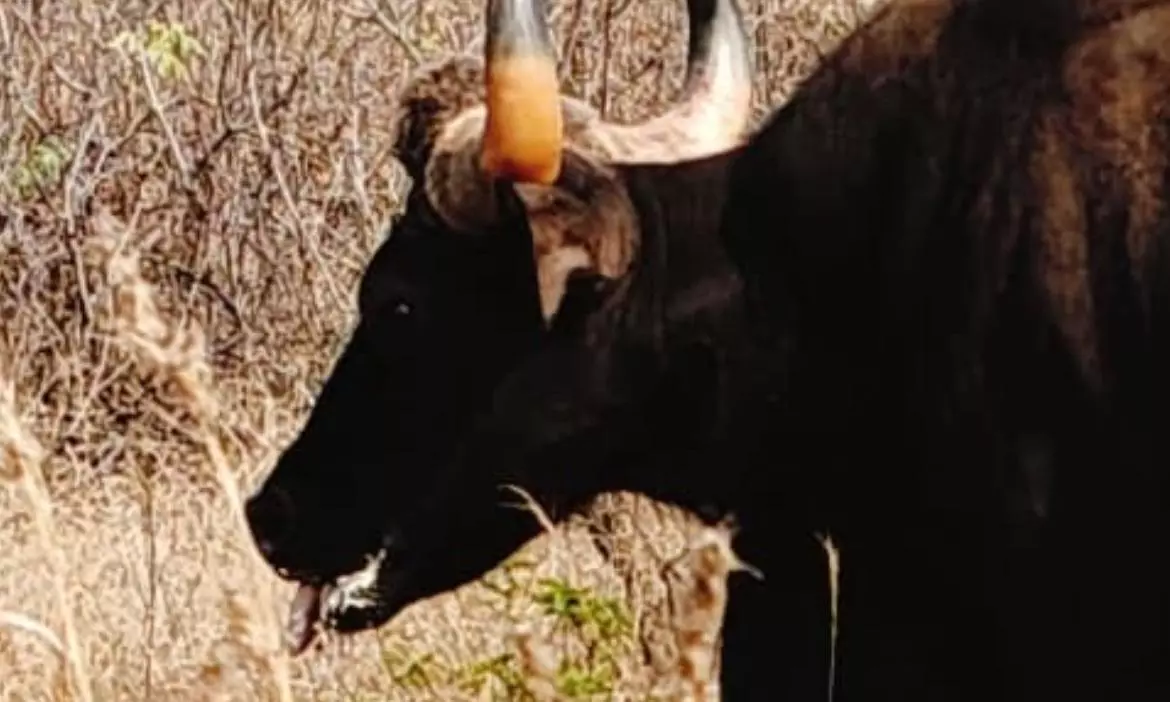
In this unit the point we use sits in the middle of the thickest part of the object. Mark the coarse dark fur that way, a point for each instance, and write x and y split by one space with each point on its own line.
927 310
957 235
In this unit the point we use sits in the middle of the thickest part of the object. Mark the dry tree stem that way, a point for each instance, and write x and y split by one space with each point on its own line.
181 353
538 663
16 620
21 456
158 108
834 568
699 608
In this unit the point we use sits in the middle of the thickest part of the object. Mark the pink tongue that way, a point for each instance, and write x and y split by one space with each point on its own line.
301 627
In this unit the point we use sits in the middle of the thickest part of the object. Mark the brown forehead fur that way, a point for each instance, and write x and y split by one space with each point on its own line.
1053 147
439 121
430 99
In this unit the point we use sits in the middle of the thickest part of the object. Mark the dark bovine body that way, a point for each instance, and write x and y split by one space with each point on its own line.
925 310
956 236
955 251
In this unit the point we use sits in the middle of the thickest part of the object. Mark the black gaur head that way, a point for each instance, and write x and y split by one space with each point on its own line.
515 208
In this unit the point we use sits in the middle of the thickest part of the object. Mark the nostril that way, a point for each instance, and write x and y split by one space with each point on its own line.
271 517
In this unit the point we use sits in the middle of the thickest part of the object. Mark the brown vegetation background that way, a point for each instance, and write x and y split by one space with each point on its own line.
189 190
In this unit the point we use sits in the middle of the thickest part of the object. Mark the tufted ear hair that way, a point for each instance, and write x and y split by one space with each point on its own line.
435 95
584 222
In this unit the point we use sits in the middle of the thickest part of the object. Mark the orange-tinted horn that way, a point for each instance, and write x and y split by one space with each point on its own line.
522 139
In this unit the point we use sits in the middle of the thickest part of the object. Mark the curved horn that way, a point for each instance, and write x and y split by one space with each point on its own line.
523 133
719 64
518 132
713 111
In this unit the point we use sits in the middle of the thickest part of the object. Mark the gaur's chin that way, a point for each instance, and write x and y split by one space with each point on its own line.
396 576
362 600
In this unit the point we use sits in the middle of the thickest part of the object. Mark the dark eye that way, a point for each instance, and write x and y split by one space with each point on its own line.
402 308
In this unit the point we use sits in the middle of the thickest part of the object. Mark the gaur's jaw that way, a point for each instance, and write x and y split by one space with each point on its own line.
349 603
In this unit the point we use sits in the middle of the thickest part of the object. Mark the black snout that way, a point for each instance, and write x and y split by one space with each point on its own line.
271 517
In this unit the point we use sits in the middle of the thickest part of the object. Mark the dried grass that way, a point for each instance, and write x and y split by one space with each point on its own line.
188 192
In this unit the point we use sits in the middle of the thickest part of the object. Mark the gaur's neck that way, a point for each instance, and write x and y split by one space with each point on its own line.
714 381
679 208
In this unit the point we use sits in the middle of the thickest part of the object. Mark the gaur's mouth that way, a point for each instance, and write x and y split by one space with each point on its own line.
347 604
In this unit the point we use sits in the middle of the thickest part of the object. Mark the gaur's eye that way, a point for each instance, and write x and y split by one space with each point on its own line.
402 308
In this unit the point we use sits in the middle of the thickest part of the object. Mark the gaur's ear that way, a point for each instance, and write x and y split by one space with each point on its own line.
585 223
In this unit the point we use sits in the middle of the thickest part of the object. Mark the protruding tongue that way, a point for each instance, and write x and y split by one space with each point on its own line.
305 610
